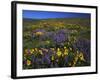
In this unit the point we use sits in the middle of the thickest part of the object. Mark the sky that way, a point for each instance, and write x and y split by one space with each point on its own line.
48 14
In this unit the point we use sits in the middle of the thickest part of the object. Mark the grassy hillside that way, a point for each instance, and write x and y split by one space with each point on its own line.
77 21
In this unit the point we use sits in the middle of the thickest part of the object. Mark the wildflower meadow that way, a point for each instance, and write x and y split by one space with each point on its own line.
56 42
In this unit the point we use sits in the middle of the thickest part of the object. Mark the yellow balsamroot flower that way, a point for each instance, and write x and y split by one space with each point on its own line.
63 55
64 47
31 51
40 51
70 48
36 49
66 51
47 42
76 58
81 57
28 62
52 58
58 52
39 33
26 51
77 51
56 28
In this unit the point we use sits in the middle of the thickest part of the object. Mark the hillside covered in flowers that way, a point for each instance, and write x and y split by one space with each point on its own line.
56 42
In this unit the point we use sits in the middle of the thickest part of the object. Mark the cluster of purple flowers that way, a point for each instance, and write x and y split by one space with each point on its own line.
83 45
60 37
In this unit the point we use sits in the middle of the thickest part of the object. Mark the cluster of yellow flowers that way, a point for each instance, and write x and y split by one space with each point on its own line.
40 51
39 33
59 52
28 62
34 51
47 42
52 58
80 56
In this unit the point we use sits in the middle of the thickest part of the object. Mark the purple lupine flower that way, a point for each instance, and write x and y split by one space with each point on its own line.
66 59
46 59
83 45
59 37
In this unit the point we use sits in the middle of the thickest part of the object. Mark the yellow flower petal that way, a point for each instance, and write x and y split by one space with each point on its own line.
58 52
39 33
52 58
70 48
40 51
28 62
81 56
36 49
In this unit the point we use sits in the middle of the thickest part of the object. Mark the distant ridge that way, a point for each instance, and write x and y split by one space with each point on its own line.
79 21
